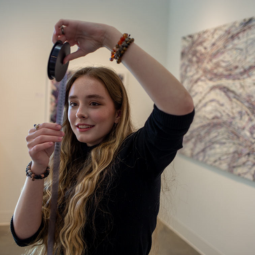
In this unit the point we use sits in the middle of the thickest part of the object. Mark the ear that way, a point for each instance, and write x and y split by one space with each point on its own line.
117 117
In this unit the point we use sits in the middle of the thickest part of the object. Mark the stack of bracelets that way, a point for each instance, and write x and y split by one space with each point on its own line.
30 174
119 50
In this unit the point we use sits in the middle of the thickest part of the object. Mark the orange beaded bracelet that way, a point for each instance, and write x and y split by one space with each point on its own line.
120 48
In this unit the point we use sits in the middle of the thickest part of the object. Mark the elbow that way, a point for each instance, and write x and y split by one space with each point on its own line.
185 105
189 104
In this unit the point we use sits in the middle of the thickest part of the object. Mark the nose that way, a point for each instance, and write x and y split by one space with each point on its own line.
81 113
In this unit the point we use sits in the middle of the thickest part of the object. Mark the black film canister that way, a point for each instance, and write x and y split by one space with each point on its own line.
56 69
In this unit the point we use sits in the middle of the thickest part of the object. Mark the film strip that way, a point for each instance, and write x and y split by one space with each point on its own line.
56 160
56 69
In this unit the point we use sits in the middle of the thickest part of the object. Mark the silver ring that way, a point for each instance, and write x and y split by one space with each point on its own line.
36 126
62 30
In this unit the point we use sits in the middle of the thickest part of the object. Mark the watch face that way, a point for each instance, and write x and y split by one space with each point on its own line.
56 69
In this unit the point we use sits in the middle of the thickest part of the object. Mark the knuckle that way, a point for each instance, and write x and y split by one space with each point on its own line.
28 145
60 22
39 139
34 149
30 152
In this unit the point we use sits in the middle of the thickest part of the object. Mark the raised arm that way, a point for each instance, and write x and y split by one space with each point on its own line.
162 87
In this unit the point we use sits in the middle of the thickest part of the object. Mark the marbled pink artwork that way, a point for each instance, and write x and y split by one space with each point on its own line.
218 70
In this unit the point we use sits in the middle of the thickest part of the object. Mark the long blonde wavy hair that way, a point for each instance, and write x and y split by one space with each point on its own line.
81 177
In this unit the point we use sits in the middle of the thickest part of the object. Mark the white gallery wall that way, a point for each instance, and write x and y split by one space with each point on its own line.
26 28
211 209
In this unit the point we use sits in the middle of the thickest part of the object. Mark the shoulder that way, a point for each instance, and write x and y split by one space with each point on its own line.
130 140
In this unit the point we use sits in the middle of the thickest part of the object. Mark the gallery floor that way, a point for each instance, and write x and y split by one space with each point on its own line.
167 243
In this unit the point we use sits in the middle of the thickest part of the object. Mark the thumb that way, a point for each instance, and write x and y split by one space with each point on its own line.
77 54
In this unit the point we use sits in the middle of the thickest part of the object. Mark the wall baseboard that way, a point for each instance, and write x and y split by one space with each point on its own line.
191 238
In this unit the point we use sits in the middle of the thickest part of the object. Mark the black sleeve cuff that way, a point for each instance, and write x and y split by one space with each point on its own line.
27 241
173 121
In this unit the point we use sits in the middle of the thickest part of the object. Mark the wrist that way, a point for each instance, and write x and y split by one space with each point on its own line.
111 38
37 169
33 175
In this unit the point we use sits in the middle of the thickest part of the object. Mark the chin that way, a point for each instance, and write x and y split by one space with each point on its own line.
83 140
88 141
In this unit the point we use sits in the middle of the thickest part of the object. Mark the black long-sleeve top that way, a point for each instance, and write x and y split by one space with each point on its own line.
135 194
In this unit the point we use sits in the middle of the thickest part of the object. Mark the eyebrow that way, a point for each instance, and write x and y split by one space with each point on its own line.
87 97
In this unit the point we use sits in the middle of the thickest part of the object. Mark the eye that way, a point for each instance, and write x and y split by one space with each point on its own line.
94 104
72 104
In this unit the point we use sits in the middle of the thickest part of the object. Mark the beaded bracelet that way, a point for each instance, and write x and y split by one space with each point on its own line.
32 175
120 48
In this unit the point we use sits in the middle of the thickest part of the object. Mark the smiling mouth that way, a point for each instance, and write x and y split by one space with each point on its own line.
84 127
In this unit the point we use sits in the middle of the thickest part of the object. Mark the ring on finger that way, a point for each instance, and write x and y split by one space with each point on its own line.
36 126
62 30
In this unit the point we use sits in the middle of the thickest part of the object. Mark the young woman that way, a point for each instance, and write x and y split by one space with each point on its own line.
110 175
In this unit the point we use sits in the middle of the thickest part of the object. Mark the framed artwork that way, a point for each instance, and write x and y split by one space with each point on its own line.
218 70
